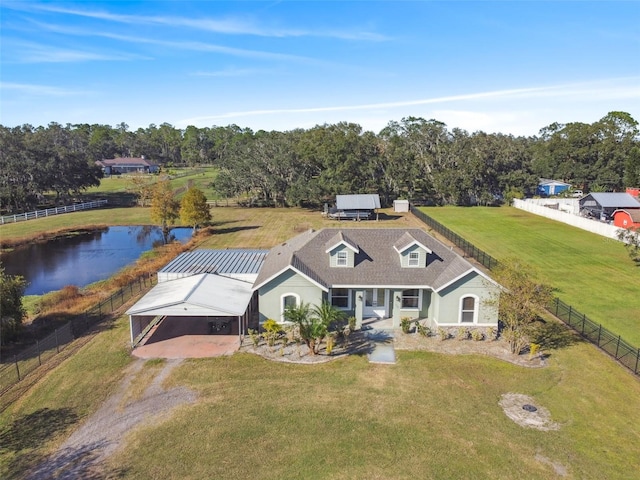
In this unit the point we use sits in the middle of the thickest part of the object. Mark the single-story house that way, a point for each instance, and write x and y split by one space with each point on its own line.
548 187
602 205
116 166
209 290
383 273
355 207
629 218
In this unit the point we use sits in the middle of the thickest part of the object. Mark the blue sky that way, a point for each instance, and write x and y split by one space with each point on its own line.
511 66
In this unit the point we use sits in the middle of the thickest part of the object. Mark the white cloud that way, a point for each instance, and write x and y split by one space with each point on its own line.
41 90
229 26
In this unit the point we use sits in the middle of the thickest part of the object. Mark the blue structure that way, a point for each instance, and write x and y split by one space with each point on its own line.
548 188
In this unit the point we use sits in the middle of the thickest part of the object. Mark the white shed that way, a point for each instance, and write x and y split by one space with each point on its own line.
401 205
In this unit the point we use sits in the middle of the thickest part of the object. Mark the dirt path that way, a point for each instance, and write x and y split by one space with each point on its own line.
84 452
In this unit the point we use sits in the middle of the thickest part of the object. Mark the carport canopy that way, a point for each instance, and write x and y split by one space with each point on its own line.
202 295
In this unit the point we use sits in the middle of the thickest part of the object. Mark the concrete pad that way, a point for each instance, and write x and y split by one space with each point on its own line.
382 353
190 346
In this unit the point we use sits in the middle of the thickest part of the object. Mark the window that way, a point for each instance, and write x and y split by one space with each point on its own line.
468 310
289 300
414 259
340 297
341 258
411 298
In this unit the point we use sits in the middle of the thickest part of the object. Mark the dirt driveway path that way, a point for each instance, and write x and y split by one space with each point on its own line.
84 453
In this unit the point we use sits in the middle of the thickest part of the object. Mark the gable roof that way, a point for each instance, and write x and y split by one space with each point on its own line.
376 264
634 214
406 241
341 239
549 181
358 202
613 200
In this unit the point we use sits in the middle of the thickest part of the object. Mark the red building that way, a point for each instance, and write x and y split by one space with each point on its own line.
629 218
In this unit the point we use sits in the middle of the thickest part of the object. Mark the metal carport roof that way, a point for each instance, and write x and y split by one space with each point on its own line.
197 295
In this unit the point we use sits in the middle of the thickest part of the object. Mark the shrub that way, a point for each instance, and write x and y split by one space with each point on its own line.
352 323
477 335
405 324
423 329
463 333
443 333
254 335
534 348
331 341
272 331
492 334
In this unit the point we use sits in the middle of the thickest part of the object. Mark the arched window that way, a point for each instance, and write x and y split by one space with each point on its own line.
288 300
469 309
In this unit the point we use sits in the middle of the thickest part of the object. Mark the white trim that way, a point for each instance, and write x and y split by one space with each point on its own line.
472 269
282 297
412 309
476 309
338 259
346 244
349 295
409 245
289 267
387 286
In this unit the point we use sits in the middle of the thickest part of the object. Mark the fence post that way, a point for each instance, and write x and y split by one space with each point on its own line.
617 347
584 318
570 312
15 359
637 360
557 305
599 333
57 343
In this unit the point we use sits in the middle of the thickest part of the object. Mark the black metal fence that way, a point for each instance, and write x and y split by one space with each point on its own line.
625 353
15 368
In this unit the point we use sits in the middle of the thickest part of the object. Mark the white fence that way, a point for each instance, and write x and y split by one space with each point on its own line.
19 217
589 225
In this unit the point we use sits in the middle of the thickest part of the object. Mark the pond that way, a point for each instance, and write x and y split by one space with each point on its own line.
86 258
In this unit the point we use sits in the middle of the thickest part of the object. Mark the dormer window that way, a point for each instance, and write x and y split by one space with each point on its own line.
414 259
341 258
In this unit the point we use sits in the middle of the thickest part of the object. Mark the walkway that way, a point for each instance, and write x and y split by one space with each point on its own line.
380 333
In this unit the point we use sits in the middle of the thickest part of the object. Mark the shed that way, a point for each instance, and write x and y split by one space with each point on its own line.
627 218
602 205
548 187
401 205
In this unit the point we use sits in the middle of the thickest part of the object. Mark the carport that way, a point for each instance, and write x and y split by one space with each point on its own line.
192 313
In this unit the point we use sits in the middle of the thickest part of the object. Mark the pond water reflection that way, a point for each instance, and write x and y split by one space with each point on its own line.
86 258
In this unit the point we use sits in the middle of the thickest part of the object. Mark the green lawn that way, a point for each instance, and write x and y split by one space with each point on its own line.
429 416
592 273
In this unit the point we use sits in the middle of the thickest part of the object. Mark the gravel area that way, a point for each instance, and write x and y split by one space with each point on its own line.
84 452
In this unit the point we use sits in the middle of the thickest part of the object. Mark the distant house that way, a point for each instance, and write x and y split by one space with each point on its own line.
376 273
548 187
117 166
629 218
355 207
603 205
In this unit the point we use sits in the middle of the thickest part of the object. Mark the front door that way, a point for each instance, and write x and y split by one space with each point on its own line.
375 303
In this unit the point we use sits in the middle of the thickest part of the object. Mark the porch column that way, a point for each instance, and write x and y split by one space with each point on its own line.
359 308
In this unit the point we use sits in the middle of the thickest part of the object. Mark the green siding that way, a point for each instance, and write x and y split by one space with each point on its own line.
422 259
447 304
270 295
333 256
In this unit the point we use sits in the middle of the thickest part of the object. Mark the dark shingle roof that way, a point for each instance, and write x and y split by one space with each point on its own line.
376 264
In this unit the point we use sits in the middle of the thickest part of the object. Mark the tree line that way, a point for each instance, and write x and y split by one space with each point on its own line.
421 160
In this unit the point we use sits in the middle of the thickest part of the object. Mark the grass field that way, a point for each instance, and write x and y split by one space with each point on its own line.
592 273
429 416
